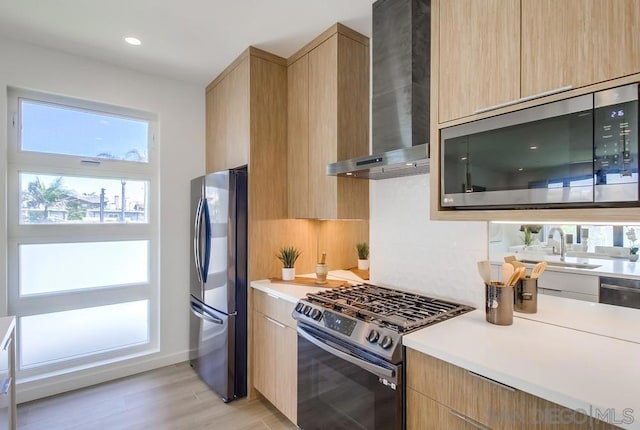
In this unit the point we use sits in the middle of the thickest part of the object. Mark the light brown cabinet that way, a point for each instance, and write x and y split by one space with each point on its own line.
478 67
443 396
328 120
227 115
535 46
578 42
275 352
425 413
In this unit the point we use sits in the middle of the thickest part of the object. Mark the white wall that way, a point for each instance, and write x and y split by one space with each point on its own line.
180 110
411 252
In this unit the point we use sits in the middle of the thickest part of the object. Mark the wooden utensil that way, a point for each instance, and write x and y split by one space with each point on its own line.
515 277
516 264
323 259
509 258
507 272
484 267
538 269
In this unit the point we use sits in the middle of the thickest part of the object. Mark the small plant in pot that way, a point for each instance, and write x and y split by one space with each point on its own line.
288 256
363 255
633 252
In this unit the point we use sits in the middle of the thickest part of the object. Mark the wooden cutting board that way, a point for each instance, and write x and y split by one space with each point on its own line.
362 274
331 283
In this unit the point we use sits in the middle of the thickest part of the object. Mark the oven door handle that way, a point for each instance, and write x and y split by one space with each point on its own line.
370 367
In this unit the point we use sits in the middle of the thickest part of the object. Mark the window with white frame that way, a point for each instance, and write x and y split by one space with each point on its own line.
82 230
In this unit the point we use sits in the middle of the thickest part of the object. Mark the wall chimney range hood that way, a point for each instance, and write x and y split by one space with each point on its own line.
400 102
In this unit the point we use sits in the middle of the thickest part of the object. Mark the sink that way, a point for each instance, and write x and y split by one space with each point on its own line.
565 264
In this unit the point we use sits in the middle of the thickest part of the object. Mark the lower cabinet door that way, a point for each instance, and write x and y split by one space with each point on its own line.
287 384
264 356
535 413
424 413
275 368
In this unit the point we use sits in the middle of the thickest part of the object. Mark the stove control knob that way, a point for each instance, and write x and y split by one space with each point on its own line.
386 342
299 307
316 314
373 336
307 310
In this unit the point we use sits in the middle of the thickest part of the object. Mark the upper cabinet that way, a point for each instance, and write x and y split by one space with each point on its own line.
328 120
493 57
578 42
533 47
227 116
479 62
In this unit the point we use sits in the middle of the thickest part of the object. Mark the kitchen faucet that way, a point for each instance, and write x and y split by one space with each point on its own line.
562 245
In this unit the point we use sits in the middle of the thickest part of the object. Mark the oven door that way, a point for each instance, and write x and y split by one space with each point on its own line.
340 387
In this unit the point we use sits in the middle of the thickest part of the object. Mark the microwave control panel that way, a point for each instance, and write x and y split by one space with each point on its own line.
616 143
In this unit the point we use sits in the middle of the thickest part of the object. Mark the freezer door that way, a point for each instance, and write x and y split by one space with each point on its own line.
213 355
219 261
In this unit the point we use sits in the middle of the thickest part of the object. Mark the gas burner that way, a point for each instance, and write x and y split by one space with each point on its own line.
396 310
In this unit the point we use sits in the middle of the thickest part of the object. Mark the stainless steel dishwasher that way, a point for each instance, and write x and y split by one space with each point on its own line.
620 292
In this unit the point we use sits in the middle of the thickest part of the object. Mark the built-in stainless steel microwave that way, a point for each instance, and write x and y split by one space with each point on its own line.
577 152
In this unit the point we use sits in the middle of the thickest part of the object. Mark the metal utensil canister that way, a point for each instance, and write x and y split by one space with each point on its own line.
526 296
499 303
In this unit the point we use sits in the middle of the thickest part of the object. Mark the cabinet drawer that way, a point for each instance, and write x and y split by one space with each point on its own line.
424 413
575 283
468 394
534 413
274 307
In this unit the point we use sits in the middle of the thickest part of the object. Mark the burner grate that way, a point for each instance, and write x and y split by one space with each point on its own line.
397 310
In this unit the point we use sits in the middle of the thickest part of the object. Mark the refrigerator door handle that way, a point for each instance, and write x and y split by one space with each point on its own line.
197 223
200 312
207 242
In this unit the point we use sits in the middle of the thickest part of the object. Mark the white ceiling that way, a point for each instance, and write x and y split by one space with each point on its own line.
189 40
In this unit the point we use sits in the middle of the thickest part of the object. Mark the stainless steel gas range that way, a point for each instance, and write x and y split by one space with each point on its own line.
350 354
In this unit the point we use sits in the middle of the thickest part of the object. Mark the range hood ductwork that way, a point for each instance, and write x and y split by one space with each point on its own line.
400 100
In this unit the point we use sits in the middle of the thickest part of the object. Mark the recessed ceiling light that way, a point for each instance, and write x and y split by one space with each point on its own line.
520 169
349 174
133 41
463 158
532 147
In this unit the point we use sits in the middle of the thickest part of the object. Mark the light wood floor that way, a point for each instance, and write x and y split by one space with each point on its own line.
171 398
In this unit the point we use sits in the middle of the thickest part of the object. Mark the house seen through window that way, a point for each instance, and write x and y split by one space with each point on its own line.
82 232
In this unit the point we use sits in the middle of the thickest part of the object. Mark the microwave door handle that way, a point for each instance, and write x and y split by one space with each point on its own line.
197 223
370 367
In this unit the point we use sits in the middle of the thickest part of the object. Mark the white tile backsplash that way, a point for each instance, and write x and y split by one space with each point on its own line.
410 251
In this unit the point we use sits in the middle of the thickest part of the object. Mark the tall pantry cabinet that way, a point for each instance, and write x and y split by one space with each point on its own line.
250 121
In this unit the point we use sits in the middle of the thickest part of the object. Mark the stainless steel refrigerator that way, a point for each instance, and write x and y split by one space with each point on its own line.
218 338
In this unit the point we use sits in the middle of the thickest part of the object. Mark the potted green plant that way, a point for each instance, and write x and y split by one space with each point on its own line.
363 255
633 252
288 256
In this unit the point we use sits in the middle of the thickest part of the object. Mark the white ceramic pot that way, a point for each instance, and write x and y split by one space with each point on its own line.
288 274
363 264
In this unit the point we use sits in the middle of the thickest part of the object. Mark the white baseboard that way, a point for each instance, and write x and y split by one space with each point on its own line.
49 386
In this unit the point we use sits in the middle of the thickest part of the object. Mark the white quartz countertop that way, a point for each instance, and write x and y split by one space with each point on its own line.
614 267
573 356
294 292
597 318
289 292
